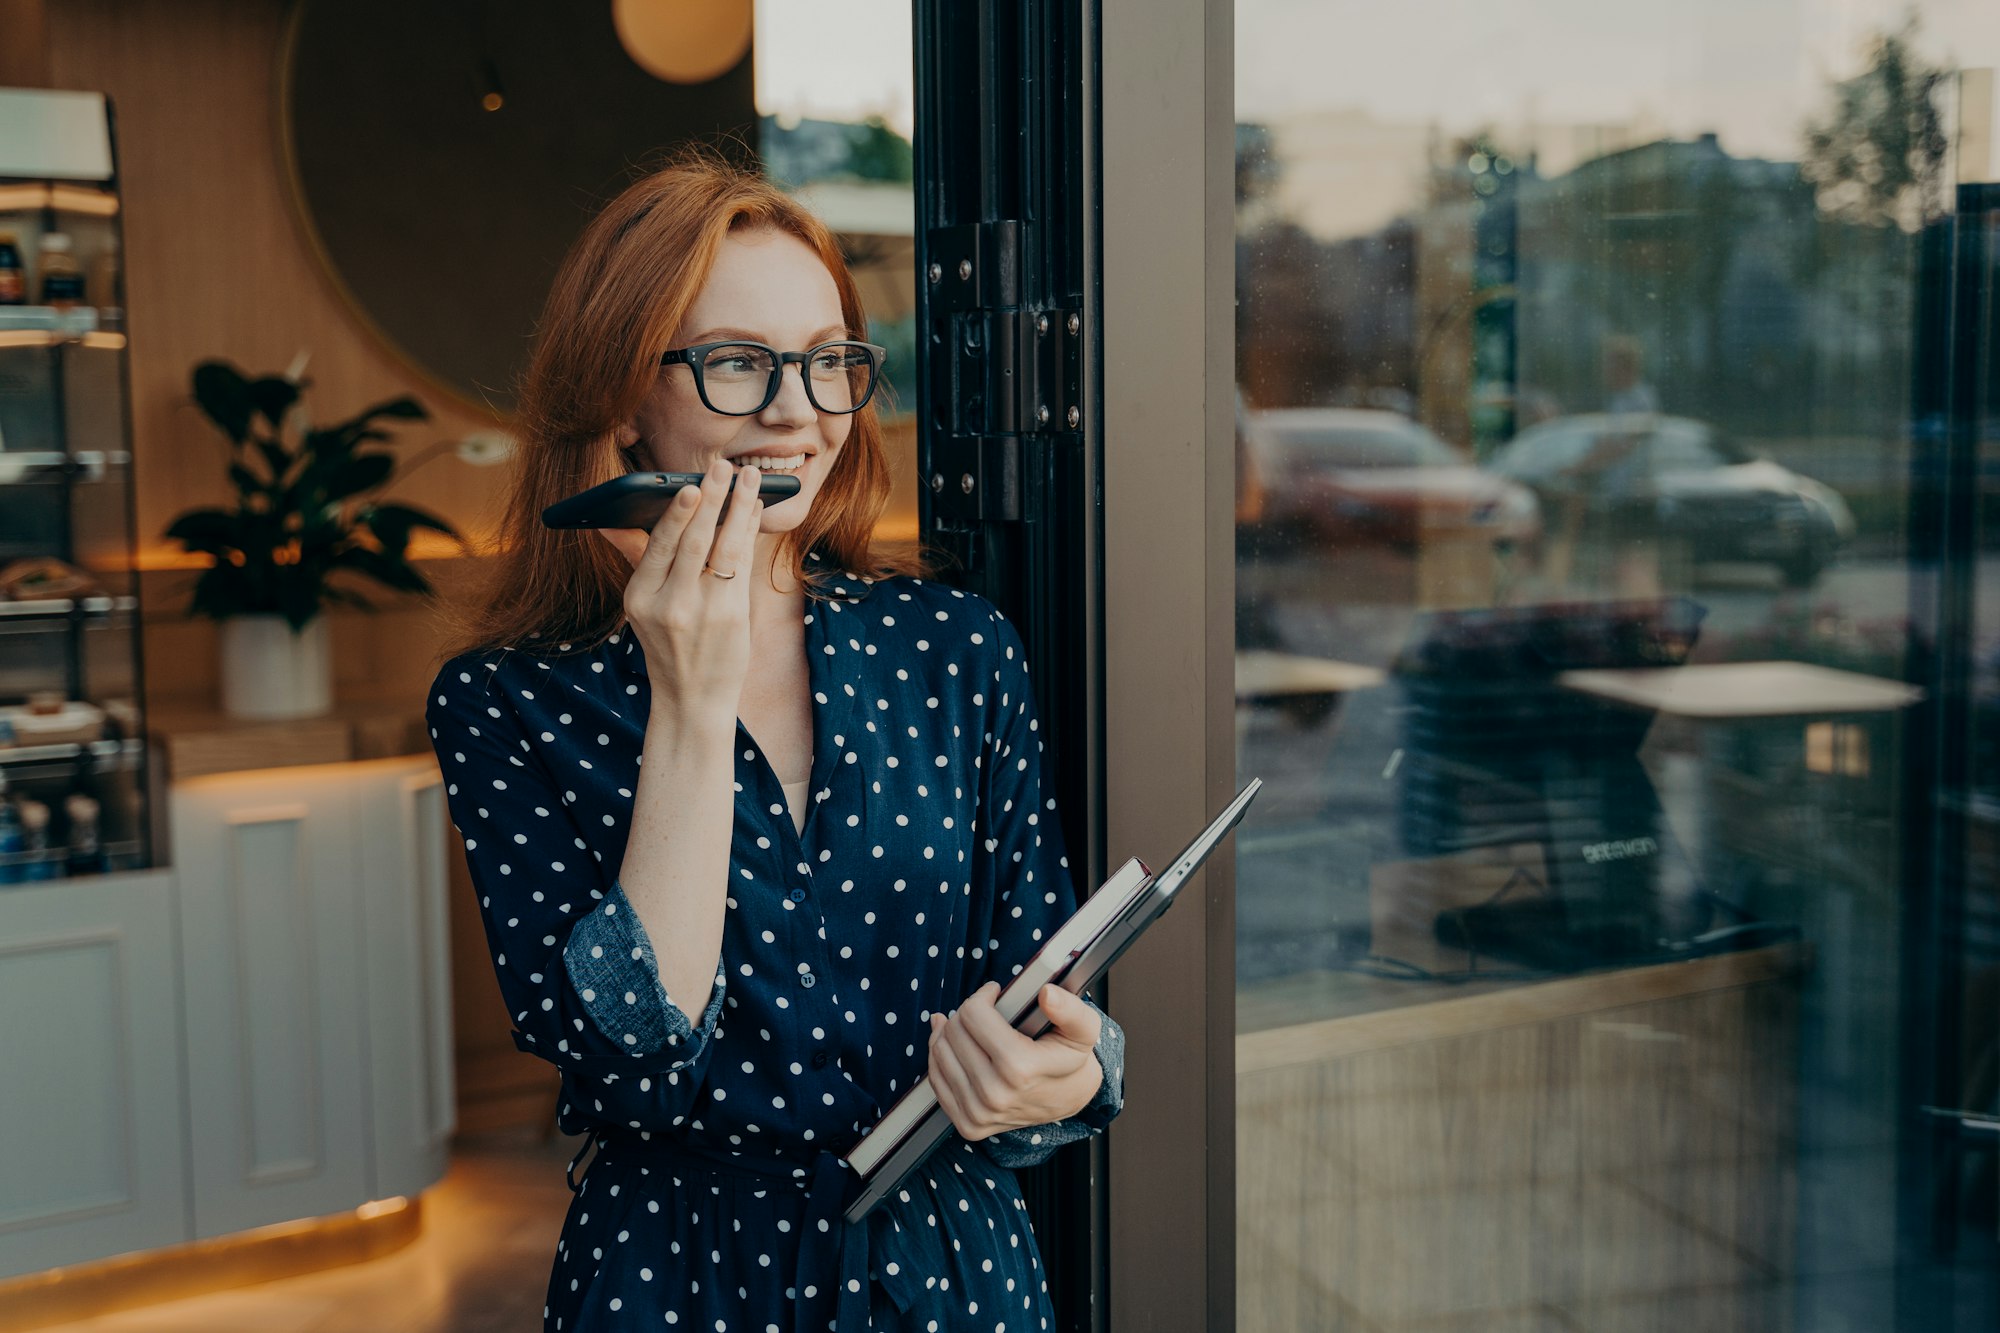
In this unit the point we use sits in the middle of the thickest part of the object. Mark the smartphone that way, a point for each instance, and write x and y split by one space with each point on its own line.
637 499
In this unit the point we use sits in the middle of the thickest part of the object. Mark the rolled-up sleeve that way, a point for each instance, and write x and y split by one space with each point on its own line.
612 968
1031 1145
573 962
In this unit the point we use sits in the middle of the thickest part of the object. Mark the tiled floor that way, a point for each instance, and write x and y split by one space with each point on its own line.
489 1238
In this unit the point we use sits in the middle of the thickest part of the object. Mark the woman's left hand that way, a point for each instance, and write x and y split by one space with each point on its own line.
990 1079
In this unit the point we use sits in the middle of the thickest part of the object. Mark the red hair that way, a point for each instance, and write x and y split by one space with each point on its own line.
618 298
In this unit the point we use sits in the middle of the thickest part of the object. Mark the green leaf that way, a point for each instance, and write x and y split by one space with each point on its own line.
273 396
225 396
223 591
359 473
277 458
247 481
206 529
299 599
384 569
409 409
320 535
392 523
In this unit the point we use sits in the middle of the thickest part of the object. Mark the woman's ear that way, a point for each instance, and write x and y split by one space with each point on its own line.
632 449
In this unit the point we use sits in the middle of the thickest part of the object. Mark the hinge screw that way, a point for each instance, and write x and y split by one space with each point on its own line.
937 483
1075 416
937 272
1041 324
1042 416
965 483
965 270
1075 323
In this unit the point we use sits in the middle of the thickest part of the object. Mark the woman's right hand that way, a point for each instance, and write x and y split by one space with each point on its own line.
695 627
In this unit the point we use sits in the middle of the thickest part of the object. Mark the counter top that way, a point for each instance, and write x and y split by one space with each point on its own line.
198 740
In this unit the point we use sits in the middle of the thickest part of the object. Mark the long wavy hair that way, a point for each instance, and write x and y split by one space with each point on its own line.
618 298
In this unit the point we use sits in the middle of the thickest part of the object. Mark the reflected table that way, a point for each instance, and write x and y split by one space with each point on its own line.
1745 690
1796 766
1306 689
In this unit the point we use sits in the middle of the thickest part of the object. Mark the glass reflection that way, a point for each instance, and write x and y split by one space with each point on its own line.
1618 939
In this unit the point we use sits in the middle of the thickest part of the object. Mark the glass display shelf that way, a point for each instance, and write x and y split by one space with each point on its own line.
64 608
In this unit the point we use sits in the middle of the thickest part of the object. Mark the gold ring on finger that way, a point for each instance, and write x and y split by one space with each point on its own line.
718 573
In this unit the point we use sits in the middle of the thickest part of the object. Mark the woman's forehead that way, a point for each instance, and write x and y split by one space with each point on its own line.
768 284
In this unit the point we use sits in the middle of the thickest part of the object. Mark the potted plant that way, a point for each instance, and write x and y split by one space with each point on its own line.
300 519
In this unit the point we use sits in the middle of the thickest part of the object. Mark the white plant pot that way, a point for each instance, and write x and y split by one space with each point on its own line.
270 672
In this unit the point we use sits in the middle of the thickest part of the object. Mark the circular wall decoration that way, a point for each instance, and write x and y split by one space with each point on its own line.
445 153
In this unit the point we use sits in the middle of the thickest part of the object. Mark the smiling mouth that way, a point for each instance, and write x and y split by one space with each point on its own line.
788 463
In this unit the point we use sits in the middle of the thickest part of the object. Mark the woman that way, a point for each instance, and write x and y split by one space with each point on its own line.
839 835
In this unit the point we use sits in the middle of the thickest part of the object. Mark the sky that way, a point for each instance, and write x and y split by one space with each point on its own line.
837 62
1751 71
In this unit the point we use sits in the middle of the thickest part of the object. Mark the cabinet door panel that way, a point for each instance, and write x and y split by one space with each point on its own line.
93 1161
269 877
402 832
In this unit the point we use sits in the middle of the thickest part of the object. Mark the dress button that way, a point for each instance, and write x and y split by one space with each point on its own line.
819 1059
798 895
808 980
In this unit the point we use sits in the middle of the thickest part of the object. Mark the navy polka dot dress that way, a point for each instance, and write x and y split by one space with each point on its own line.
930 862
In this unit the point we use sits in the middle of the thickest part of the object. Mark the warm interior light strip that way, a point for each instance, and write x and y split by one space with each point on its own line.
68 198
175 1272
49 337
76 199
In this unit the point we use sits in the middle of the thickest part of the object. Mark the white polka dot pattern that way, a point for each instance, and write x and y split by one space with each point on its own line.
931 861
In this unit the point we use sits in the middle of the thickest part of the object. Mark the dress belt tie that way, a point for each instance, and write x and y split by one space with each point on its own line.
827 1242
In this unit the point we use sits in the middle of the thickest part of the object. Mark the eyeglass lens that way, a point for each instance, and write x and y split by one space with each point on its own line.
741 378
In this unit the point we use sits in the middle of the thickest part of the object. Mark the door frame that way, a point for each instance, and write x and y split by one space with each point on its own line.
1120 544
1166 177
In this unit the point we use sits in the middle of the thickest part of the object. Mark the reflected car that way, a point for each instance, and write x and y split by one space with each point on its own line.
1342 477
1648 472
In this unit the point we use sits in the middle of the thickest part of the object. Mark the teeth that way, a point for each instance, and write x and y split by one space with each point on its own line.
776 464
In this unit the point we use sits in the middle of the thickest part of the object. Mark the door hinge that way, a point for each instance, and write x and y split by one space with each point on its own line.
1001 374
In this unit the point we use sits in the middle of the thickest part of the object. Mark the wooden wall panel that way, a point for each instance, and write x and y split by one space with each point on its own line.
216 264
24 55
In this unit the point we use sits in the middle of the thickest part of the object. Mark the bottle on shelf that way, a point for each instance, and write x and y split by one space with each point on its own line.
13 839
86 849
62 277
103 287
35 841
13 271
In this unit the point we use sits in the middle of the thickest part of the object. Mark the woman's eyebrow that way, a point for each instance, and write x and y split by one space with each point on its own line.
826 334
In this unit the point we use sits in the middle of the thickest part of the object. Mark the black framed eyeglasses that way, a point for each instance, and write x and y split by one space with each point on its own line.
740 379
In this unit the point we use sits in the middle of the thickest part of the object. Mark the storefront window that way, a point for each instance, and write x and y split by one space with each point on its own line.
1618 637
836 114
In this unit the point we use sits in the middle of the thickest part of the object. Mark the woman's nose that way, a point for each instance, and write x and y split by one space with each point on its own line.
792 404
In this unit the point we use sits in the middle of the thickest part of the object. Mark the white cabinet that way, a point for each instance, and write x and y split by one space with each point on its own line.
406 839
318 987
259 1035
92 1118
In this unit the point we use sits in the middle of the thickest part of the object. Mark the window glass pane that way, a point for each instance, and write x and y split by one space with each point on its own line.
835 101
1616 595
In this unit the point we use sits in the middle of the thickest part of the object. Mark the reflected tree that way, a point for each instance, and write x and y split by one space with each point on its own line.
1878 156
